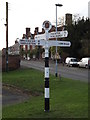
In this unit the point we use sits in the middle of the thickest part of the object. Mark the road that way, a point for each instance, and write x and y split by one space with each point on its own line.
11 95
74 73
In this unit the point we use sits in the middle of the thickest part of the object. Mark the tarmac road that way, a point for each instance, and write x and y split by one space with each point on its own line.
12 96
74 73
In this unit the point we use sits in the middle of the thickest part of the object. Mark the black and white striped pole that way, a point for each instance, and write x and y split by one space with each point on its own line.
46 80
47 26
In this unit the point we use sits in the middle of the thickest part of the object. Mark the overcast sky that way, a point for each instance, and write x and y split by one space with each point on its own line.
32 13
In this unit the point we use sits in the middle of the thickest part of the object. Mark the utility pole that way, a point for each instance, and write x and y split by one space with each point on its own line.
6 36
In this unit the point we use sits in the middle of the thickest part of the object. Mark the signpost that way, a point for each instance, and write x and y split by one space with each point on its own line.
45 43
60 34
43 40
59 43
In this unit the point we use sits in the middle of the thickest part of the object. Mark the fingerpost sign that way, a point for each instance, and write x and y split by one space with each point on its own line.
43 40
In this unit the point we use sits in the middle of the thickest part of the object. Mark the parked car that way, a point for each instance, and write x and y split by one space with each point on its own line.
84 62
70 61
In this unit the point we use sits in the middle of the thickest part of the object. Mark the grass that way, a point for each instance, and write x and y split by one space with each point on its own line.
25 79
68 98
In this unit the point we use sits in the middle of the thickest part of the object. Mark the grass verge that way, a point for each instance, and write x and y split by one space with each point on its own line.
68 98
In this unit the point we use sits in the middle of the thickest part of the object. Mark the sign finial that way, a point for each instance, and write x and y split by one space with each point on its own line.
47 25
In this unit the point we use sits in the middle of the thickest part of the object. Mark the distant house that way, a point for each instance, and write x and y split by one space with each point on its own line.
14 50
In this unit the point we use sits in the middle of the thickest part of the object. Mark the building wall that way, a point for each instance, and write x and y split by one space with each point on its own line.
13 62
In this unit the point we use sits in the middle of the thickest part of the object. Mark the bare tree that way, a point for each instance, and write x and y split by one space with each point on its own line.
75 18
60 21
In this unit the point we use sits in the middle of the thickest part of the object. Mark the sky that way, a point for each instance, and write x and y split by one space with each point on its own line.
32 13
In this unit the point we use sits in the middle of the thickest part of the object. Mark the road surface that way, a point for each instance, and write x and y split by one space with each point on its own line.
74 73
12 96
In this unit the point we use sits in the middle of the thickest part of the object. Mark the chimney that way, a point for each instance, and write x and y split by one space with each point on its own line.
68 18
43 31
27 32
24 36
16 41
36 30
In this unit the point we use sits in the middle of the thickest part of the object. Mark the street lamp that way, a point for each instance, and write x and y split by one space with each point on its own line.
59 5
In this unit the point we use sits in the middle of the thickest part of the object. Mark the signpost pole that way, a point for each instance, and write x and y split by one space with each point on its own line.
47 26
46 80
47 107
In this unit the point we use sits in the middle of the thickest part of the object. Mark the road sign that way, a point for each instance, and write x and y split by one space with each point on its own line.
48 43
59 43
27 42
32 42
40 36
60 34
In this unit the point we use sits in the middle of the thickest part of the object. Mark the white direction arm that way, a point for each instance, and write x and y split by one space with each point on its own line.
40 36
45 43
27 42
31 42
60 34
59 43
